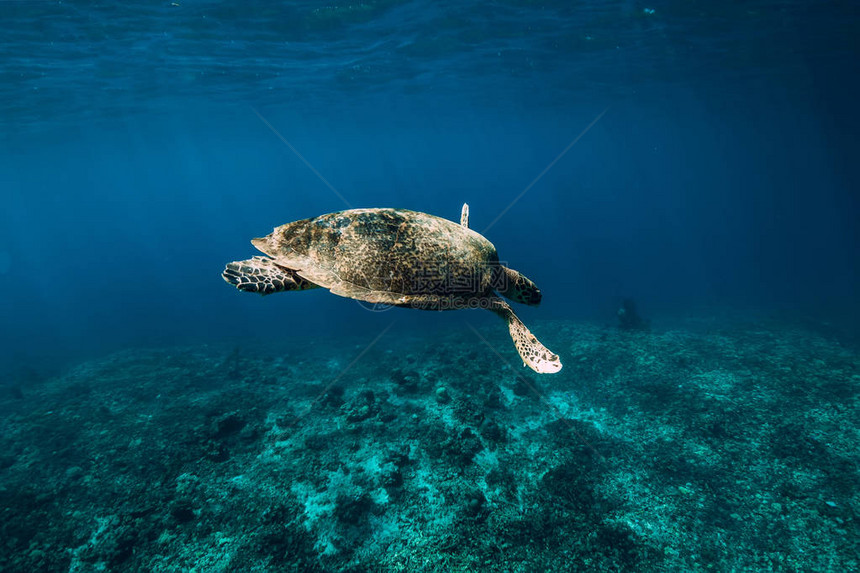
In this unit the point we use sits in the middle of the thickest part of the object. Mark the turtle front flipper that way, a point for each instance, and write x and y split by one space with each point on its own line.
264 276
534 354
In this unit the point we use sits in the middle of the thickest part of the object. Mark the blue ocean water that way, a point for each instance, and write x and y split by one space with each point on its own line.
699 157
134 161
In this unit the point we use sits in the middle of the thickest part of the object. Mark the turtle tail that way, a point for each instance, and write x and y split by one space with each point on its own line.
262 275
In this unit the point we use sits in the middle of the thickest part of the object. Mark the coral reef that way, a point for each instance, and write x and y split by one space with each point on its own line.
732 446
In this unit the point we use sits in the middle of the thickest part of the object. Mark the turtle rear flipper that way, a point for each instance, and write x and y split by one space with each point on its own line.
517 287
534 354
264 276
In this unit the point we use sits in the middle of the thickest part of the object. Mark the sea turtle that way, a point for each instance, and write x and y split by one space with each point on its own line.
395 257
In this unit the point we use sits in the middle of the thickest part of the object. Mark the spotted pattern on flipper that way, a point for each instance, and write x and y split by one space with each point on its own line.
262 275
534 354
515 286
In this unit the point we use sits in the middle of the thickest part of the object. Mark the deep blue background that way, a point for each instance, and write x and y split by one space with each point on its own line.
133 163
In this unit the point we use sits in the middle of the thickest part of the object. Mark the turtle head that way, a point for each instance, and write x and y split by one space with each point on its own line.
517 287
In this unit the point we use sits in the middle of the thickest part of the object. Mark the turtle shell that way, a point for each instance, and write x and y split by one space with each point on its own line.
391 256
